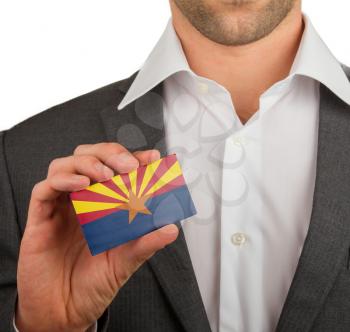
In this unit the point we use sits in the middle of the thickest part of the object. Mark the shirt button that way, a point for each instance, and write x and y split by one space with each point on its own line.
203 87
238 239
239 140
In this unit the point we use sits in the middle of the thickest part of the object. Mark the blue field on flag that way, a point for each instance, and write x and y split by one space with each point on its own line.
133 204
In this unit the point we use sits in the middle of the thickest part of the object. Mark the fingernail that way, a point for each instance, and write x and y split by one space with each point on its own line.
106 171
126 157
169 229
123 162
155 155
81 180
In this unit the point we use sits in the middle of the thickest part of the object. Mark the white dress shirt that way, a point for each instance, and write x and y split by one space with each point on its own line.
252 184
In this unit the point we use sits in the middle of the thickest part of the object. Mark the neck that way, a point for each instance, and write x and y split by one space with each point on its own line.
245 71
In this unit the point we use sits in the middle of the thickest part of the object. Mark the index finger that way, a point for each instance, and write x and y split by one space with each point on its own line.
113 155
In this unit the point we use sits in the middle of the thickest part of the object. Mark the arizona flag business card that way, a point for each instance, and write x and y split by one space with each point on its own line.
133 204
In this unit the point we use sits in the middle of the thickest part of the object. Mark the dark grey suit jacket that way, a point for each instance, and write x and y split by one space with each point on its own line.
163 294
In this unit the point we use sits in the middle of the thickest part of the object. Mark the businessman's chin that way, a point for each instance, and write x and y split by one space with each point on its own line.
235 22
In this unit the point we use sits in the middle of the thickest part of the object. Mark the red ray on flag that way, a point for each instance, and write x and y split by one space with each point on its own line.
132 204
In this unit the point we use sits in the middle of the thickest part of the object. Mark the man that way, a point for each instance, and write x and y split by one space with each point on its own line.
258 111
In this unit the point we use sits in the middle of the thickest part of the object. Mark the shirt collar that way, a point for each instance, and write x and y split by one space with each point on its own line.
166 58
313 60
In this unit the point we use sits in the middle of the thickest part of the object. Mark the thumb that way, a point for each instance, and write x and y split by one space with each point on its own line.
129 257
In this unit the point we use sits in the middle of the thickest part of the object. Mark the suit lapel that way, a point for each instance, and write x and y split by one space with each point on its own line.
139 127
174 271
328 236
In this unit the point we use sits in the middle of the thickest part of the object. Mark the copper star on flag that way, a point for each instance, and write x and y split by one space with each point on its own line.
132 204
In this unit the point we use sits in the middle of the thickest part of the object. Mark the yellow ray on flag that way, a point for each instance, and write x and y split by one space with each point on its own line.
85 207
133 179
99 188
172 173
150 170
118 181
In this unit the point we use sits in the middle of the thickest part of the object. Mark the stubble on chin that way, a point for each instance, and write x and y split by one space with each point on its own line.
235 22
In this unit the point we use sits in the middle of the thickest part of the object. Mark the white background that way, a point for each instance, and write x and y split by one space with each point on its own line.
54 50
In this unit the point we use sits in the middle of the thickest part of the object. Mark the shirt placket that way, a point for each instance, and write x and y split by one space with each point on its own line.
241 238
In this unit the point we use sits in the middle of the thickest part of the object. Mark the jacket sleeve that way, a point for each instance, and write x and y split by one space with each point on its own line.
10 238
9 245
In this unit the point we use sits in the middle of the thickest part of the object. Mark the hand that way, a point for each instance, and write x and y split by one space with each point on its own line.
61 287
